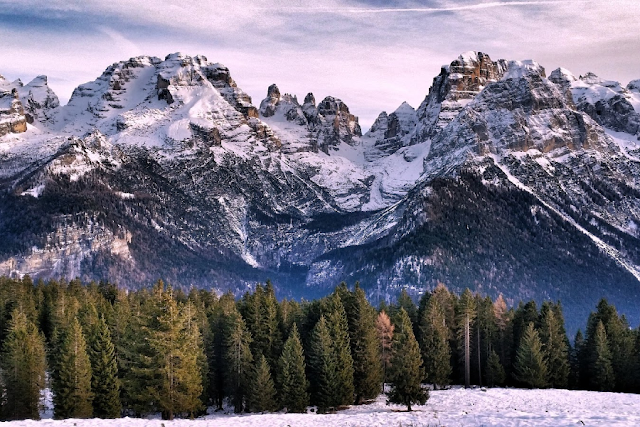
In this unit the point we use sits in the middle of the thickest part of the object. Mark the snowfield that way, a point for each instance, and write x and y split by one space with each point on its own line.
455 407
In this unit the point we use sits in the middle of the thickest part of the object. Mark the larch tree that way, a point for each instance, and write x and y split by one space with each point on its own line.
22 369
406 366
384 330
465 315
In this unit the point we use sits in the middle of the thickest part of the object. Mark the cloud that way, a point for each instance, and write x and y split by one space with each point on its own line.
373 54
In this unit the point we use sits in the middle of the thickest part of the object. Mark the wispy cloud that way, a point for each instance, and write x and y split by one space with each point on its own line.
372 53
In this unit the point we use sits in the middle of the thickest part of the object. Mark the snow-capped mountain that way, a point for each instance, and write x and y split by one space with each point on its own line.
504 180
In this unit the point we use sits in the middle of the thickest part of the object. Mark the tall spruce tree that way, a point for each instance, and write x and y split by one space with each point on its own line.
495 370
323 368
554 344
530 366
292 377
434 344
105 385
72 383
237 359
22 369
406 366
601 368
174 340
367 369
261 395
339 331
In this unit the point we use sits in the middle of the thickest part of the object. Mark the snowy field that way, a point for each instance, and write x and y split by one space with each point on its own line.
456 407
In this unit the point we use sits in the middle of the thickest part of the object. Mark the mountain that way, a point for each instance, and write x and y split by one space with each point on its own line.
504 180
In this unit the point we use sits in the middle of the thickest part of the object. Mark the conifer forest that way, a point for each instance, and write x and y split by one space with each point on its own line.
107 352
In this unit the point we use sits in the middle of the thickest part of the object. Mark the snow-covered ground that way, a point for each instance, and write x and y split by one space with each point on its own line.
455 407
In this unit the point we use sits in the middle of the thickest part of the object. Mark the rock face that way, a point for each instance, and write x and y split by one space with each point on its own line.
12 117
457 84
503 181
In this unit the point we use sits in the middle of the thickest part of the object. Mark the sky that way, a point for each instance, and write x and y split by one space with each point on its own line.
372 54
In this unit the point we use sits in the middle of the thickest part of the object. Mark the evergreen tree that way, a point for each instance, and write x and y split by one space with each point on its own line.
578 368
495 370
406 366
174 339
339 331
323 368
554 343
237 359
367 369
384 330
105 385
530 366
293 379
72 383
601 368
406 302
261 396
434 344
22 369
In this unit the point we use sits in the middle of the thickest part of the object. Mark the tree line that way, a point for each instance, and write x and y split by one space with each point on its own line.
107 352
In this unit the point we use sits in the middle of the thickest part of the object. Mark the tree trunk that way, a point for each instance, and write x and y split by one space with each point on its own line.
479 358
467 360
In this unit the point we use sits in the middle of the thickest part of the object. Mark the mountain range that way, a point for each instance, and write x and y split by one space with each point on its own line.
505 179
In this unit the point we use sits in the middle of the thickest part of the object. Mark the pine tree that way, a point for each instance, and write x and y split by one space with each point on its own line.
554 343
261 396
601 368
22 369
237 359
384 330
293 379
105 385
495 370
339 331
578 372
434 344
72 383
174 339
322 368
367 369
530 366
406 366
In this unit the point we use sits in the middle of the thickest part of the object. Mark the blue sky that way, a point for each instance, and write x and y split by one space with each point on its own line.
373 54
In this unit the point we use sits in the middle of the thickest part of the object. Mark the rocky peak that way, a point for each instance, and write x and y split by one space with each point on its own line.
634 86
286 105
268 105
39 101
310 110
12 118
457 84
607 102
508 115
337 124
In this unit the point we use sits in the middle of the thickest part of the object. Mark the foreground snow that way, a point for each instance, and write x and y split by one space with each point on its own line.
456 407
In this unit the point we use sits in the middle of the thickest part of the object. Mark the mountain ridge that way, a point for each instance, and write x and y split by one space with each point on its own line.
166 168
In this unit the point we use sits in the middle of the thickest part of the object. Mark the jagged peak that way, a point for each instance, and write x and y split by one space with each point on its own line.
310 99
404 108
526 68
634 86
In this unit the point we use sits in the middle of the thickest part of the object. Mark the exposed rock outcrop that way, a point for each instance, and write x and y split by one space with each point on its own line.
12 117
